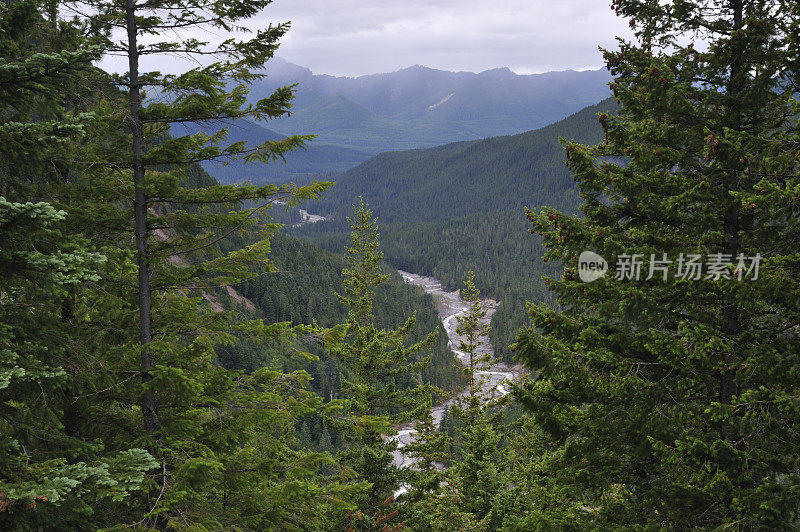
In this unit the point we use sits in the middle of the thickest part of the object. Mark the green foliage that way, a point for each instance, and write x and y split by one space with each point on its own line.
671 403
224 440
471 442
471 330
479 469
48 473
167 362
444 511
375 358
460 207
129 345
35 250
39 66
38 265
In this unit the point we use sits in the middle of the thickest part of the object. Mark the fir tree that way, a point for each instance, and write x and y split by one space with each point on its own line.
375 359
39 119
479 467
473 332
40 481
670 402
157 163
150 330
48 474
426 476
445 511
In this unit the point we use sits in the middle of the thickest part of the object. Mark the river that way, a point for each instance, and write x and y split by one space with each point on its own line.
449 307
308 218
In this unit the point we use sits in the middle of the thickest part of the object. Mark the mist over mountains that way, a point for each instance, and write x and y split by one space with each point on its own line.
420 107
416 107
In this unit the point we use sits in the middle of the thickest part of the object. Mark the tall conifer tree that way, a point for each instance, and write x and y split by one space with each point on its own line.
375 360
48 474
225 441
157 162
670 401
478 470
473 332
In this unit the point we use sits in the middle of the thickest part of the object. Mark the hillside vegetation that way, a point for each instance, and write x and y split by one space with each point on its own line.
460 207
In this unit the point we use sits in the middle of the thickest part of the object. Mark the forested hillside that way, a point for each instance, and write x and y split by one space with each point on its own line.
315 158
178 354
460 207
494 174
303 289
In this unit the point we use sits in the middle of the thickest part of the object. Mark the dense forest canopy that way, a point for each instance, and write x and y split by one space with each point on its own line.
180 350
460 207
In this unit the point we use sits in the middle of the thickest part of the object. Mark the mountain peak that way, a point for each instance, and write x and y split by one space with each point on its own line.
280 67
498 70
419 68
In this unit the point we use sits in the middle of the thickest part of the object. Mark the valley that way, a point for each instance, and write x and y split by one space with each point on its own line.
447 210
494 380
236 294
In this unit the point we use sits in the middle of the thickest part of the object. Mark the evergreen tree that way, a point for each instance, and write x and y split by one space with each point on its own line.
425 476
375 359
157 163
48 473
473 331
445 511
325 443
40 64
670 402
478 469
149 330
40 480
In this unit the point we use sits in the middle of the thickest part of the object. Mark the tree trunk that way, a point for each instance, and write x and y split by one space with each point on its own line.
149 407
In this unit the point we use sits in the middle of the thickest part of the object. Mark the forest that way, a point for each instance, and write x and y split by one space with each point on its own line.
460 207
179 352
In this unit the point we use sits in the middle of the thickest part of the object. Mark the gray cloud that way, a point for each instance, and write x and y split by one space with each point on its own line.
354 37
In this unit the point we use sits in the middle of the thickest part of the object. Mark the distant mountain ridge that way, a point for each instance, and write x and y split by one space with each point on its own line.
502 173
420 107
416 107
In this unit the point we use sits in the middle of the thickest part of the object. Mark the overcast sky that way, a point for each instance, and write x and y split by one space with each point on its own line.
355 37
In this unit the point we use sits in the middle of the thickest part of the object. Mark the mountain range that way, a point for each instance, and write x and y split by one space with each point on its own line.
419 107
416 107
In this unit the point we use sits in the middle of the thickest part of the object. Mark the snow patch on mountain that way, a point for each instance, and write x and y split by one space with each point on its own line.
440 102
